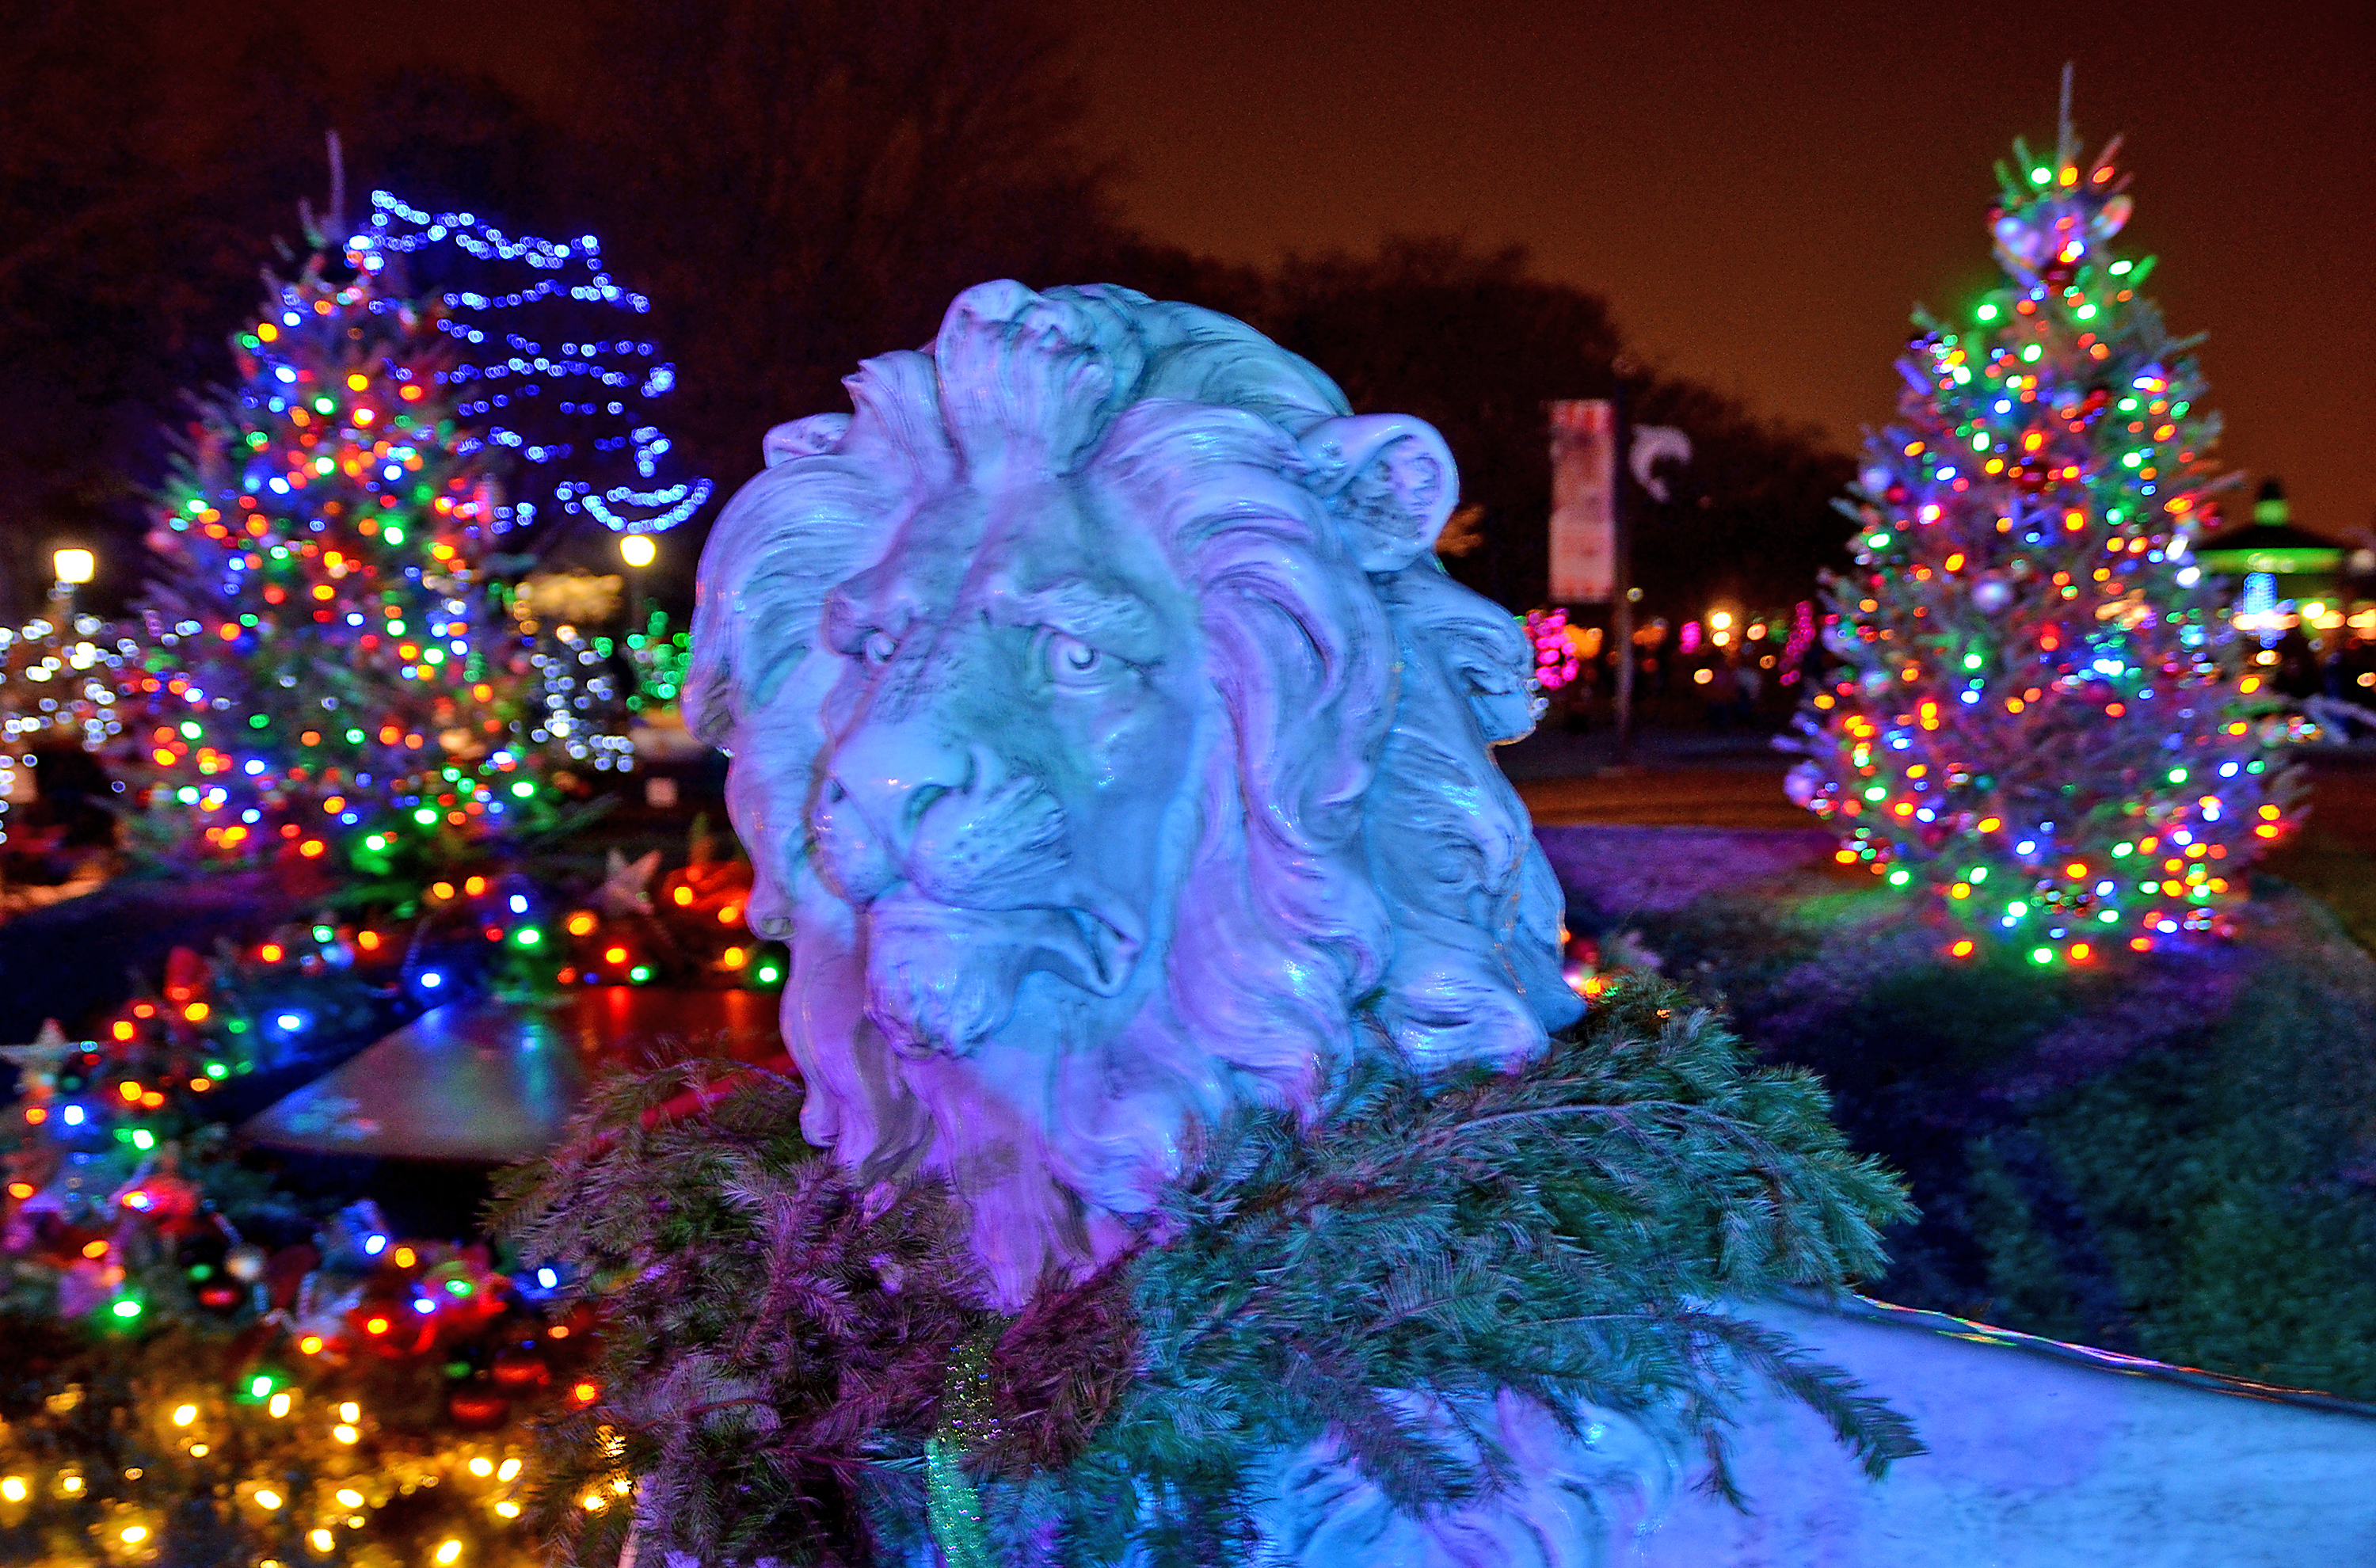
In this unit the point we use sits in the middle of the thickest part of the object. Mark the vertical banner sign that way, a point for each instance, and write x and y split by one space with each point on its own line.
1584 496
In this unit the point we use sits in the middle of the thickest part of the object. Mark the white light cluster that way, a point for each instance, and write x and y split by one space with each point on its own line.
56 680
585 712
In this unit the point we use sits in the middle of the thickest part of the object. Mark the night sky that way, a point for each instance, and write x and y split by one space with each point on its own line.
1761 198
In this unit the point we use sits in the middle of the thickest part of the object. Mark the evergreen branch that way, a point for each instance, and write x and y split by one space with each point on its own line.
1367 1282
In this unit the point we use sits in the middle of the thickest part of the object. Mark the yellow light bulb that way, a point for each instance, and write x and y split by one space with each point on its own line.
268 1499
14 1489
184 1415
351 1497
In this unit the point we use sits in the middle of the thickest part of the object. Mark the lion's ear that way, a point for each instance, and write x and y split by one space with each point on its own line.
803 438
1390 480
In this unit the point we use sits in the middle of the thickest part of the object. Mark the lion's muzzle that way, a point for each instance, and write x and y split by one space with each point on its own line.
960 868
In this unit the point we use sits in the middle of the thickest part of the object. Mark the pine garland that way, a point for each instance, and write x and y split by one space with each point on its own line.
799 1368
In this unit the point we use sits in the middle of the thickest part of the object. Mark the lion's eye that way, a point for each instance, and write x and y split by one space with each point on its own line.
879 646
1073 660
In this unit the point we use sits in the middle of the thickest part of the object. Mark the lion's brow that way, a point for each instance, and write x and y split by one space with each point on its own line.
1113 619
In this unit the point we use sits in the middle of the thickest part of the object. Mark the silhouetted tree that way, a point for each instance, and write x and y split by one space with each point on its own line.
1477 344
800 186
151 162
797 185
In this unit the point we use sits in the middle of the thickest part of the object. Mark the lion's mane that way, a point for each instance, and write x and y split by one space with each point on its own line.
1363 877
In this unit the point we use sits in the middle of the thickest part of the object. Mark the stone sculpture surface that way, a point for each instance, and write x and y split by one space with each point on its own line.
1113 751
1109 735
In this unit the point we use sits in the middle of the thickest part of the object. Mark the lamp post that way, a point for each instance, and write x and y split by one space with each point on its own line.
1621 530
70 568
638 551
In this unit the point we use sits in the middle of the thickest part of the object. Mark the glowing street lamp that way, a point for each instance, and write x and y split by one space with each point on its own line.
70 568
637 551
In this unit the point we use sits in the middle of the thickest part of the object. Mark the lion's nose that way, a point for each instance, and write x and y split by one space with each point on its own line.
892 773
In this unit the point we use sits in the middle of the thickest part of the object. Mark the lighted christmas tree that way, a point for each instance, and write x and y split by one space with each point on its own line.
332 679
2043 716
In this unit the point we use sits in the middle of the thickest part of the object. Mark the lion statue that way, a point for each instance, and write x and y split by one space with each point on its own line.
1112 749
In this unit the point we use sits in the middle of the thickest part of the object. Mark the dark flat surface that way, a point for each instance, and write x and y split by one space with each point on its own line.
68 962
492 1082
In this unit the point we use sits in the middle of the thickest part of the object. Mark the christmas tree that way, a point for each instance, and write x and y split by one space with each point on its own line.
331 680
2043 718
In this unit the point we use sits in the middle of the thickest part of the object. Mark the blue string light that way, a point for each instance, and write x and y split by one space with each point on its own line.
543 368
